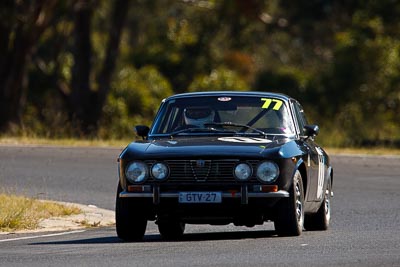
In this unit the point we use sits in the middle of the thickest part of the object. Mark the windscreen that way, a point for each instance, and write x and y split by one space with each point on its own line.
269 115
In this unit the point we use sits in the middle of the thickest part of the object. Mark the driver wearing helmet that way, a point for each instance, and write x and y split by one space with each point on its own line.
198 116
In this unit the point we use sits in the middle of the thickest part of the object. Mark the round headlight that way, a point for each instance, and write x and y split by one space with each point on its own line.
267 172
242 171
159 171
136 172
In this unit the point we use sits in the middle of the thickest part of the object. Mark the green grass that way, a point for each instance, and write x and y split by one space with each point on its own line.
22 213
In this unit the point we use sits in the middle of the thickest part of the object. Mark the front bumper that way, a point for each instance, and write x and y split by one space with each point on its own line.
244 195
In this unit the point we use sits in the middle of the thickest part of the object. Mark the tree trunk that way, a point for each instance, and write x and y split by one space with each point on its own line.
29 20
87 104
11 82
121 8
81 98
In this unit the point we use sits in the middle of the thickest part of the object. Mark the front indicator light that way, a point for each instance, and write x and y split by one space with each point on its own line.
265 188
139 188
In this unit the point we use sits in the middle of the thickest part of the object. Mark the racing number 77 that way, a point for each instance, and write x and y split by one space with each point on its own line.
268 101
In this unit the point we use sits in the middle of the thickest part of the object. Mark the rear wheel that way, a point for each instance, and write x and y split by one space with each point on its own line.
320 221
130 224
290 219
171 229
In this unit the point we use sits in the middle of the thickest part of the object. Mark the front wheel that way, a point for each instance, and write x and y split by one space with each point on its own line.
290 219
130 224
320 221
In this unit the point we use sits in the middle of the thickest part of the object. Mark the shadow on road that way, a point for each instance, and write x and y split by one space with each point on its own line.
224 236
189 237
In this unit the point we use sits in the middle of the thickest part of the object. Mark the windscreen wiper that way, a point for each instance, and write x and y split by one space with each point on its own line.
244 127
199 130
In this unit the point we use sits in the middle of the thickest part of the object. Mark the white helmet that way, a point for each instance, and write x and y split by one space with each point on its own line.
198 116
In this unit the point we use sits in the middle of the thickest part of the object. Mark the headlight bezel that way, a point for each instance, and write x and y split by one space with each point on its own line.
164 166
237 172
269 166
137 178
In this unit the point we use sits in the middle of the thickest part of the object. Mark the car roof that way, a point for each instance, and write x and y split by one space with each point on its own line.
231 93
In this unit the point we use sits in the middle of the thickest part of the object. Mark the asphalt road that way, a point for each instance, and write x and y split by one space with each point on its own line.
365 229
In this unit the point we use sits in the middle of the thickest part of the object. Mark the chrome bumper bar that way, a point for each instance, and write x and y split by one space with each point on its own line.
156 195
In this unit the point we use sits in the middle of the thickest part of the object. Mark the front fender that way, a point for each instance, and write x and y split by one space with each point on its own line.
288 169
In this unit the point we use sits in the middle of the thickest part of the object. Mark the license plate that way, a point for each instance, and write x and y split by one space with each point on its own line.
200 197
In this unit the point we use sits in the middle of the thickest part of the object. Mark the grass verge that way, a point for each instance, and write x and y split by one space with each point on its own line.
22 213
64 142
375 151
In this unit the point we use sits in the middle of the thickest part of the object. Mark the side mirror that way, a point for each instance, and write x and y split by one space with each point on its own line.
311 130
142 130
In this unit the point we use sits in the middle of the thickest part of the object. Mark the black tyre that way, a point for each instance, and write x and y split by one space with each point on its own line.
171 229
130 224
320 221
290 219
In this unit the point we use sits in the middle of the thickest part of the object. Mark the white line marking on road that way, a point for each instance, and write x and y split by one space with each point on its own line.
39 236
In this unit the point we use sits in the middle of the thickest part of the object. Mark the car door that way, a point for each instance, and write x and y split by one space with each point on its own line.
314 160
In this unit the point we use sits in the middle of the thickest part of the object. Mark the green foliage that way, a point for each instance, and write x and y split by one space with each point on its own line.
341 60
220 79
133 100
360 91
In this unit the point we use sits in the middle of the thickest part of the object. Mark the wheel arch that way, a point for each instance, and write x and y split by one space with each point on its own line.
303 171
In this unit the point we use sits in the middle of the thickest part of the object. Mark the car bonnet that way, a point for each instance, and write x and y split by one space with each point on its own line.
203 147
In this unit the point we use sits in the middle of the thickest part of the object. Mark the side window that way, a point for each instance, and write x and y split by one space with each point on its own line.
301 119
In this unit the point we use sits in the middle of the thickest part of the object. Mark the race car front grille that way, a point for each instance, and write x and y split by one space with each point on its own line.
203 170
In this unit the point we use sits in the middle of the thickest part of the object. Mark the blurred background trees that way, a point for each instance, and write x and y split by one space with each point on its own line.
95 68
